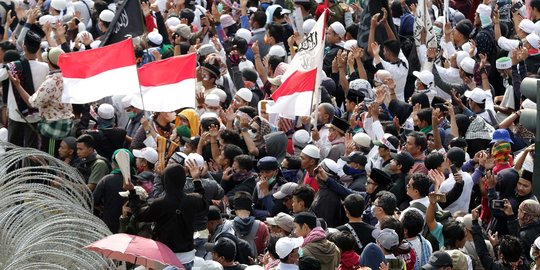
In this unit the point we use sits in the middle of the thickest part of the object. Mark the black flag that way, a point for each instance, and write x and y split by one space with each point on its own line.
128 21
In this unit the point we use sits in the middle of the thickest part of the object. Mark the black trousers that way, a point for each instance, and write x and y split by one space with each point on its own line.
22 134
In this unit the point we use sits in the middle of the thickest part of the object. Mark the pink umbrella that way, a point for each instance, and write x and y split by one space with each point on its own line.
137 250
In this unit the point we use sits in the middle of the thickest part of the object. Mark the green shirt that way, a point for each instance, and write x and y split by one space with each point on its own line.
99 169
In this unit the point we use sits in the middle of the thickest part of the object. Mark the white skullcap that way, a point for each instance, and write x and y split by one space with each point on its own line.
47 19
220 93
58 4
484 10
277 51
212 100
245 94
467 64
534 40
527 26
350 44
155 37
460 55
467 46
172 22
106 15
244 33
339 29
308 25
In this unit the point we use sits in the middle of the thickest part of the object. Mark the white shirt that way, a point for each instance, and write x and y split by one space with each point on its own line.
462 203
417 246
399 73
39 73
286 266
450 75
323 143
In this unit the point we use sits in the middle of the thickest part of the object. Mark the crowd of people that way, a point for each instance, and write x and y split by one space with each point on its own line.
414 158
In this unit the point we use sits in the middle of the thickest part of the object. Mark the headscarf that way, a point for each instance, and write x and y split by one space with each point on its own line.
531 210
264 129
174 179
193 119
501 152
132 166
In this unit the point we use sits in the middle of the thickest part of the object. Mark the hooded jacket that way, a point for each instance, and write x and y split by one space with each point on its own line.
506 185
174 213
316 245
276 145
327 205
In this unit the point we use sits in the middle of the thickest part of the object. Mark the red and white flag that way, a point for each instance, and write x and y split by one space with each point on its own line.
94 74
293 97
167 85
302 78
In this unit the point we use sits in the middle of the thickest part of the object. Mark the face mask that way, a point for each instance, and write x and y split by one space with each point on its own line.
300 252
271 180
350 170
140 169
131 115
220 8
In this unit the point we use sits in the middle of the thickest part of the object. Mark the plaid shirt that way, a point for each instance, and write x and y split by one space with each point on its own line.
479 129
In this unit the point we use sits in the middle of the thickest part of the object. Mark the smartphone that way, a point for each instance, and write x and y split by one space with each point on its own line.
441 197
517 6
453 169
440 106
497 204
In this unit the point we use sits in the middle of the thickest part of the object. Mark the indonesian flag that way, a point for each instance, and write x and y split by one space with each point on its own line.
167 85
94 74
302 79
293 97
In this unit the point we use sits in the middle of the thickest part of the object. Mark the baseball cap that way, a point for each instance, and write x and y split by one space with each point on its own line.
387 238
537 242
283 221
285 245
147 153
405 159
182 30
467 221
312 151
425 76
285 190
380 177
389 141
437 260
106 111
477 95
194 140
267 163
356 157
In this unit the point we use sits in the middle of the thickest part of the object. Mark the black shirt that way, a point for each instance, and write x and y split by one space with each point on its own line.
363 231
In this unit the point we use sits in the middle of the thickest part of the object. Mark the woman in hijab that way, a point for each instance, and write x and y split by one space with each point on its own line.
106 197
175 212
192 118
503 188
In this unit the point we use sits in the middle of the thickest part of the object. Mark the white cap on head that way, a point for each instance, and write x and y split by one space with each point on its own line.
106 15
211 100
208 115
308 25
199 160
484 10
467 46
244 33
527 26
301 137
312 151
339 29
467 64
534 40
477 95
285 245
58 4
245 94
47 19
226 20
220 93
330 165
460 55
155 37
362 139
425 76
277 51
95 44
106 111
147 153
350 44
172 22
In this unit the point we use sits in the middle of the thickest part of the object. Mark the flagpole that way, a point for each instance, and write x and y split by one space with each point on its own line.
319 74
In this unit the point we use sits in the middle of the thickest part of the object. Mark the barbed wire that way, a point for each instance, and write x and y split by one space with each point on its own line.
46 214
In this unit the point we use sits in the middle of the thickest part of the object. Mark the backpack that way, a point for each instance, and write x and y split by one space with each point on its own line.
440 216
250 237
85 168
